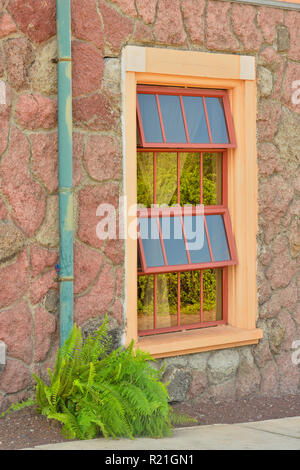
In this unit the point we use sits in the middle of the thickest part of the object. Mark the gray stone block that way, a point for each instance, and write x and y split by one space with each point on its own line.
222 365
179 381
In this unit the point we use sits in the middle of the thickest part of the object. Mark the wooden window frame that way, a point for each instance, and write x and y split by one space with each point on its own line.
173 211
236 74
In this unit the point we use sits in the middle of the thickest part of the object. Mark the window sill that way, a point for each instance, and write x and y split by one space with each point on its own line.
193 341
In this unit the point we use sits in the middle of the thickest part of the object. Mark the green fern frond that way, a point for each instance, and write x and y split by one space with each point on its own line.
50 374
54 391
177 418
91 375
18 406
137 399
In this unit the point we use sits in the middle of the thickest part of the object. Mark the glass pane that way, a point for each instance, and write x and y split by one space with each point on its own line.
212 294
190 297
212 179
145 178
195 119
151 242
166 178
172 235
217 123
196 238
218 239
145 302
189 178
167 299
150 118
172 118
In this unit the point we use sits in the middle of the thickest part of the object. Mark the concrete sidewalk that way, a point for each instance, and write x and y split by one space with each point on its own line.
276 434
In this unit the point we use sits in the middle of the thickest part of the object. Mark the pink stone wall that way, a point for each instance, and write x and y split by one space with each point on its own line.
28 185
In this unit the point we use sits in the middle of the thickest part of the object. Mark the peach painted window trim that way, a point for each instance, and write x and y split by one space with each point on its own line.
154 66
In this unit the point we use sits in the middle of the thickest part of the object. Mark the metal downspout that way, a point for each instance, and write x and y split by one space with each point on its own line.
64 61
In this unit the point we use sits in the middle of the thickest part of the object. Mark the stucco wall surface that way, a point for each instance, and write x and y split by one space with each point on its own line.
28 180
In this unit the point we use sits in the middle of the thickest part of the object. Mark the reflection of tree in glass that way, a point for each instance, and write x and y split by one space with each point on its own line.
190 293
167 294
146 295
166 178
189 179
190 283
145 178
212 176
209 289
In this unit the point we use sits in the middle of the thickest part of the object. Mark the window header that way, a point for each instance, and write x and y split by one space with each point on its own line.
185 117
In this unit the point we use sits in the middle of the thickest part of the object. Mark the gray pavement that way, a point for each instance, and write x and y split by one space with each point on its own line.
275 434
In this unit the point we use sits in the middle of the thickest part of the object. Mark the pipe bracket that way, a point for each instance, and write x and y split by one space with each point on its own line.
56 60
63 279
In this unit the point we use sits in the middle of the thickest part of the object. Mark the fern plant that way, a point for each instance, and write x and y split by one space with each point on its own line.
116 394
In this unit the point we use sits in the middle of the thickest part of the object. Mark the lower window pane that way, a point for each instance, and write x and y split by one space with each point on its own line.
145 183
212 178
190 178
145 302
167 300
166 178
190 297
212 295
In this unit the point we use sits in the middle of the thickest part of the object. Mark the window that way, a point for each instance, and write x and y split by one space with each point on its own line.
235 76
184 247
189 117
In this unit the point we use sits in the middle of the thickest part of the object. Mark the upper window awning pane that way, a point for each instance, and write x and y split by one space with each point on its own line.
151 244
183 117
195 119
172 235
216 119
196 239
185 242
172 119
218 239
150 118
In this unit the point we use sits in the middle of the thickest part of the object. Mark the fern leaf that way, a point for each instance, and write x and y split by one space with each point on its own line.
17 407
180 418
54 392
50 374
137 399
91 375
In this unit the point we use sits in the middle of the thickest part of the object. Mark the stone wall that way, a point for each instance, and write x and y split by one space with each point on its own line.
28 186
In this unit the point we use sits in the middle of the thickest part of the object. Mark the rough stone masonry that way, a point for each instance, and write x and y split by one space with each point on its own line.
28 181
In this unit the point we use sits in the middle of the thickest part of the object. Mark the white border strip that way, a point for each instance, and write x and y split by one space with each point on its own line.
2 353
2 92
134 59
247 67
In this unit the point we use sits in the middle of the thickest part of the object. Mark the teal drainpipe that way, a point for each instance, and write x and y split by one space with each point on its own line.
64 61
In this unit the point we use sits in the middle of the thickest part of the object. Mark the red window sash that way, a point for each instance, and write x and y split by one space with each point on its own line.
175 212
